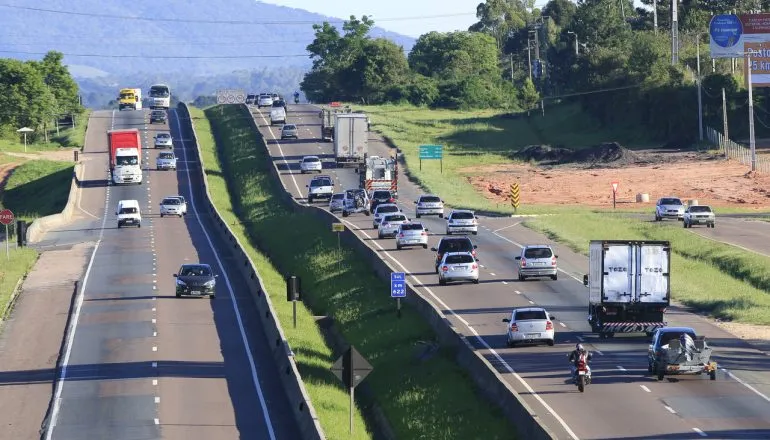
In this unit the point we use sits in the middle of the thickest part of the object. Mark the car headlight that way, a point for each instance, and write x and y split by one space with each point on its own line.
209 284
180 283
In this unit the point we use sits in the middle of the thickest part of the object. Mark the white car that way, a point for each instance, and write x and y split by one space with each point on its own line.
669 207
537 260
529 324
128 213
429 205
166 161
309 164
462 220
458 266
184 203
335 202
163 140
411 234
173 206
277 115
699 215
265 100
389 225
381 210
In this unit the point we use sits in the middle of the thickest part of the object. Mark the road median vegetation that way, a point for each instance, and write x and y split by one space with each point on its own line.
422 393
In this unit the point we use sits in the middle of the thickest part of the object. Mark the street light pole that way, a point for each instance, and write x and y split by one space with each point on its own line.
700 102
576 42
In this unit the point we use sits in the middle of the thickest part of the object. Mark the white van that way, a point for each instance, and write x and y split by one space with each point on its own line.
128 213
277 115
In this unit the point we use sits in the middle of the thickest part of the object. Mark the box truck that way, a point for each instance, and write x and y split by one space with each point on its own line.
125 156
351 139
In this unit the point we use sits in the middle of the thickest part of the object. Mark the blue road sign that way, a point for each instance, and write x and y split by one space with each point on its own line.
431 151
397 285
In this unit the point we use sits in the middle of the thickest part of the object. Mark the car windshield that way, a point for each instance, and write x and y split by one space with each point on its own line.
670 202
172 202
412 227
524 315
195 271
700 209
289 127
458 259
537 253
667 337
321 182
430 199
461 245
163 136
126 160
166 155
381 195
394 218
338 196
462 216
311 159
386 209
128 210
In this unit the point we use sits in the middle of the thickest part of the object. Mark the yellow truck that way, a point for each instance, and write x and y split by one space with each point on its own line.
130 99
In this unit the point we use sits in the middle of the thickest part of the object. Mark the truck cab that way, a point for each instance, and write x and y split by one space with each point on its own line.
130 99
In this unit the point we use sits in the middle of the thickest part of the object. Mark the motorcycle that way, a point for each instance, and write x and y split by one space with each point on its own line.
296 99
582 373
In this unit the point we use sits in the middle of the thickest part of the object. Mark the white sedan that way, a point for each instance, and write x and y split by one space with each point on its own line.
173 206
461 220
381 210
529 324
411 234
310 163
389 225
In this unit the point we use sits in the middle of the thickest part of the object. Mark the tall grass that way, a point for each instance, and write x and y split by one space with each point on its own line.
722 280
38 188
422 397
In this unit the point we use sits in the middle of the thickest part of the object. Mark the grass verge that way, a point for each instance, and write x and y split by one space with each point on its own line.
66 138
38 188
727 282
12 270
423 398
485 137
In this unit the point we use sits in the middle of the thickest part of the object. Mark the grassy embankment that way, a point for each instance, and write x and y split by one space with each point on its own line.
67 138
428 398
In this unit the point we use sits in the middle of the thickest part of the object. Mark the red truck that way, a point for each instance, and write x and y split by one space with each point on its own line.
125 156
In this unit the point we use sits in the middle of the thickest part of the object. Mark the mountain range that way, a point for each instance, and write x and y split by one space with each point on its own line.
109 44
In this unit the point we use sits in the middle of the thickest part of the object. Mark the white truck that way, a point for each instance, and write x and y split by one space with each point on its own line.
379 173
629 286
277 115
351 139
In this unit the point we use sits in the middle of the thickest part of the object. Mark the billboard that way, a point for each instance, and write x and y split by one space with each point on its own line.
735 36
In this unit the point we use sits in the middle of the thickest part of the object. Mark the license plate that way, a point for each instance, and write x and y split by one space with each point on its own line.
539 264
533 335
582 373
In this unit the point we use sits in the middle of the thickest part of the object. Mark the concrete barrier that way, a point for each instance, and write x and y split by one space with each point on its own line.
302 407
40 225
486 377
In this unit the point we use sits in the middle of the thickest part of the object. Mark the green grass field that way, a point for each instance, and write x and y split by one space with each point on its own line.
722 280
38 188
12 270
67 138
485 137
423 399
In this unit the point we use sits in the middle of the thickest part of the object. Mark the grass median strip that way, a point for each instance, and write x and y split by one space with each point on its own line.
720 279
12 270
422 396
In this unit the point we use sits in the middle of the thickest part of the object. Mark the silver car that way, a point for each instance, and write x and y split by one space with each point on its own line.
461 220
172 206
381 210
309 164
529 324
163 140
289 131
265 100
537 261
389 225
669 207
458 266
411 234
183 202
166 161
429 205
699 215
335 203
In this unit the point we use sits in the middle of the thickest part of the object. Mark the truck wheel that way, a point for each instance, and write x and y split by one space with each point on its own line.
661 373
713 374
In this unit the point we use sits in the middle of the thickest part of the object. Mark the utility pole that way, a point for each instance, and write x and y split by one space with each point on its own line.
752 142
700 102
655 15
674 33
724 123
576 42
511 68
529 57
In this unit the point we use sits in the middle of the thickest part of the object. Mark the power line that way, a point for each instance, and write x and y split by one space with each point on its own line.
155 43
89 55
180 20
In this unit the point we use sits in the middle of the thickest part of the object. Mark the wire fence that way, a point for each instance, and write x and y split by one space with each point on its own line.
736 151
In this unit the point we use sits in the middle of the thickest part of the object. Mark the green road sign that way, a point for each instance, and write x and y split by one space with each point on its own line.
431 151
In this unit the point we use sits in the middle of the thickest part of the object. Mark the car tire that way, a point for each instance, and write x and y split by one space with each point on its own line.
178 295
425 246
180 215
212 296
441 282
345 213
476 281
448 232
161 216
475 232
417 215
441 216
684 225
522 278
649 367
398 247
554 277
550 342
509 343
367 213
379 236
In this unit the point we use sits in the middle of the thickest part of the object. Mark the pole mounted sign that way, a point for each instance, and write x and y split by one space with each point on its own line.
398 289
231 96
614 192
432 152
6 217
351 368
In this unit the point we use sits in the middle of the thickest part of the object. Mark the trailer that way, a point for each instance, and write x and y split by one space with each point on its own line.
351 139
629 286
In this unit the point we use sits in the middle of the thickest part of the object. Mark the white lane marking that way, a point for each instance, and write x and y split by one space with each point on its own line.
600 353
505 282
580 339
493 274
154 309
563 324
497 230
644 387
728 243
701 433
531 302
280 150
155 382
621 368
157 399
154 365
154 321
740 381
517 292
154 348
74 322
157 421
669 409
234 302
154 334
475 333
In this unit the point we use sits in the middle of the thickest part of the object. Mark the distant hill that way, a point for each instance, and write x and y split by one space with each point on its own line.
129 44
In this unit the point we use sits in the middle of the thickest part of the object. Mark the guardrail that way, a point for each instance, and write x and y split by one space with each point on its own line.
302 407
483 373
734 150
40 225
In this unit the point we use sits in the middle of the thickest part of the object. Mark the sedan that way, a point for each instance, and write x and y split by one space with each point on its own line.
458 266
529 324
411 234
389 225
166 161
310 163
163 140
699 215
182 201
196 280
289 131
172 206
460 220
381 210
335 202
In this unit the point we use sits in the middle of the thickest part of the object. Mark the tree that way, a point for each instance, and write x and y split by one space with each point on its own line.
25 100
59 81
378 67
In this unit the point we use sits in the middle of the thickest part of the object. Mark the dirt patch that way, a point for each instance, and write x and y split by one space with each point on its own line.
657 173
606 153
5 172
64 155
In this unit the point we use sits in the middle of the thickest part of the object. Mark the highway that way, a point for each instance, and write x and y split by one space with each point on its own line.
623 401
139 363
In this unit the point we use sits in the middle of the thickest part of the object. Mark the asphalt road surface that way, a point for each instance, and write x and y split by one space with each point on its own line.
140 363
623 401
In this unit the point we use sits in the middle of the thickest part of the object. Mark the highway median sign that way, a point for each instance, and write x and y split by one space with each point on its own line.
429 152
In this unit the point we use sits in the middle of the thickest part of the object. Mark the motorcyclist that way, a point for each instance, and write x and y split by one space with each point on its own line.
574 357
296 97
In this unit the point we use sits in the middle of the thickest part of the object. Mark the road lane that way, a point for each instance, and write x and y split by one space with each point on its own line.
617 397
142 364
